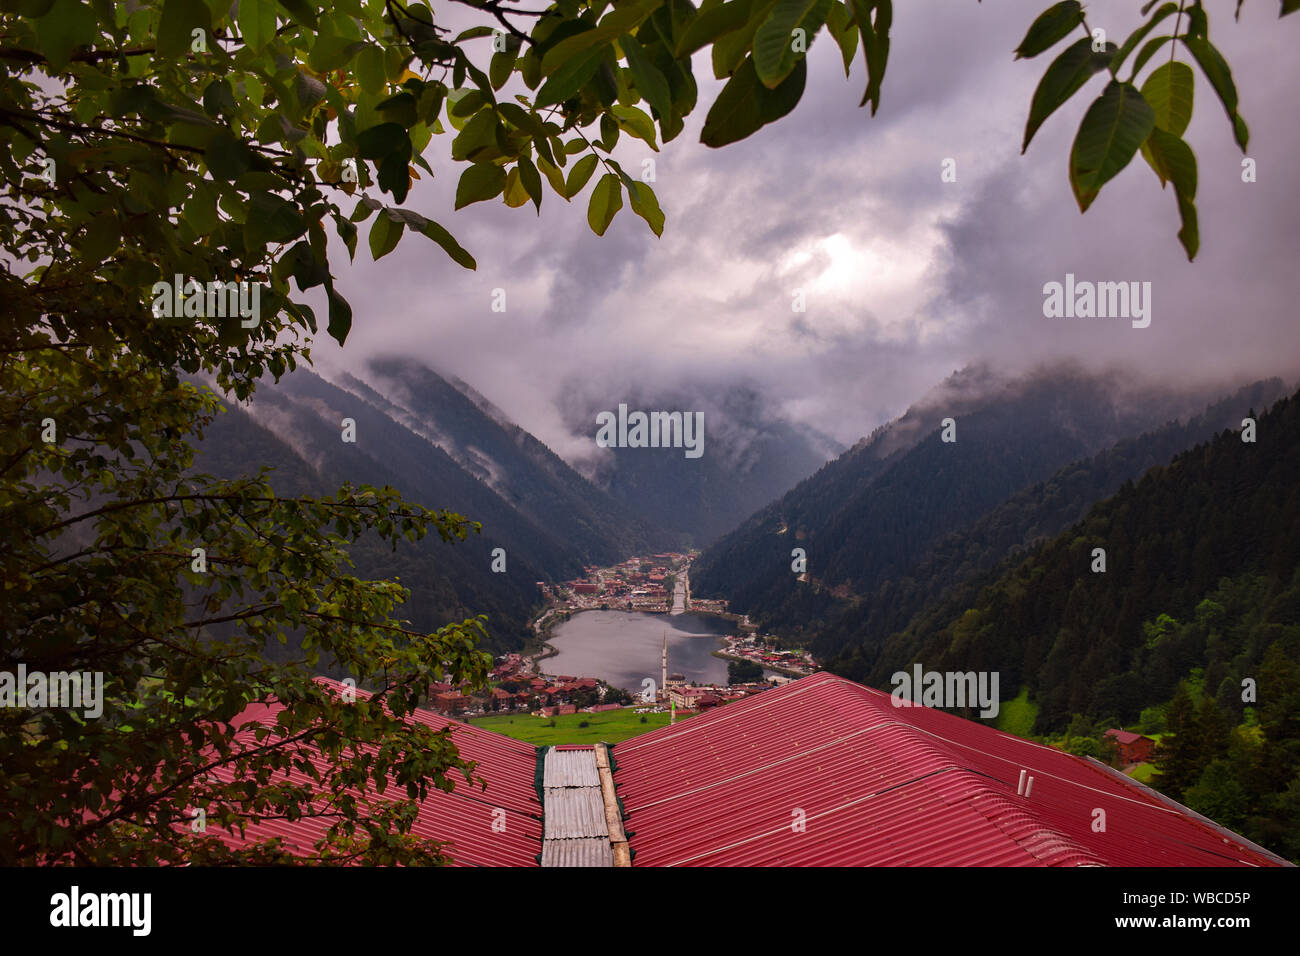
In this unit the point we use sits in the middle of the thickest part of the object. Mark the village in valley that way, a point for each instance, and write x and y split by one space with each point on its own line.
659 584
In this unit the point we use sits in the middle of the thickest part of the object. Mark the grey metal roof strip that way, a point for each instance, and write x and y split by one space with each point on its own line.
575 832
574 812
570 768
581 852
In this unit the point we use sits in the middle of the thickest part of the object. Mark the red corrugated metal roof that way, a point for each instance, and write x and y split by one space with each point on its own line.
875 784
464 817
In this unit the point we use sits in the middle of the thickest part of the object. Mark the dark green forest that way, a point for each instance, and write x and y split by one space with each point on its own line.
946 579
886 506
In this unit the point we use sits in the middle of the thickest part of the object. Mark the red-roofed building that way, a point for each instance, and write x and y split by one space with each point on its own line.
468 818
1132 748
450 702
880 785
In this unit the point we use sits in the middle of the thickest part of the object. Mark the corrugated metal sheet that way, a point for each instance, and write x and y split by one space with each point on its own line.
575 812
827 772
497 826
590 852
575 830
570 768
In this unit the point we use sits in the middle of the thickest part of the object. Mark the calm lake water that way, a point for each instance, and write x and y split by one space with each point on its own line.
624 647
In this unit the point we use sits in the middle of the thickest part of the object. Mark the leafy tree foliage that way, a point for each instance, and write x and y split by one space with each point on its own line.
744 672
1125 119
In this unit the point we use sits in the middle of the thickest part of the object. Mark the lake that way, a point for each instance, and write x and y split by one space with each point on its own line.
624 647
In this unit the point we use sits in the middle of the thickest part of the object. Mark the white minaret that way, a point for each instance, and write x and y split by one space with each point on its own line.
663 684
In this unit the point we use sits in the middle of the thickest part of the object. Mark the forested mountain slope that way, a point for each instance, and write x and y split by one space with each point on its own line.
875 512
947 576
550 520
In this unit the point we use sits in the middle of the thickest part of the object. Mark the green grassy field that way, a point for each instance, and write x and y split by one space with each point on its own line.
610 726
1143 772
1017 716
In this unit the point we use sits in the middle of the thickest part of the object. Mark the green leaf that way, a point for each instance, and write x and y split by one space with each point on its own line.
384 235
365 206
745 104
579 174
650 82
378 141
712 23
400 109
395 173
1173 161
201 209
1216 71
531 180
606 200
553 176
1190 232
622 19
730 49
875 45
1289 6
257 22
272 220
176 25
609 129
515 194
502 63
301 11
103 236
479 182
1169 90
1052 26
227 156
773 56
478 138
340 312
68 25
1149 49
636 122
332 52
1114 127
570 78
840 22
1136 36
219 99
646 205
370 69
445 239
1067 74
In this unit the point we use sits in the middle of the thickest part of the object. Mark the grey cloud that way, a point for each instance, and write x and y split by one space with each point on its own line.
937 276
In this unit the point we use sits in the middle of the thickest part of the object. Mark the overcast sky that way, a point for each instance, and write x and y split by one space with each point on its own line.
906 277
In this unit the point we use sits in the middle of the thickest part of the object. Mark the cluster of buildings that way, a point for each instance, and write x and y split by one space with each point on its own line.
518 688
751 647
638 584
